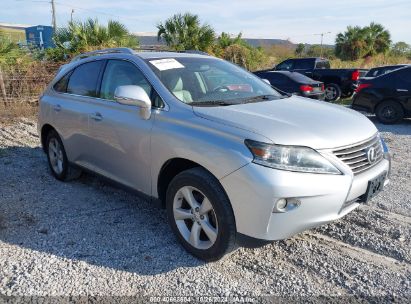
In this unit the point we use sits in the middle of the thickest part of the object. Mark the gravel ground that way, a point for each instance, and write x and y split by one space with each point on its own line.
88 237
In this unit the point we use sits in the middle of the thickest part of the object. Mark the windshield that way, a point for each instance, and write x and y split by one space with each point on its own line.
210 81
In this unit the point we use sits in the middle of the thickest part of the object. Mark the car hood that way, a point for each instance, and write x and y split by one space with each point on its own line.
295 121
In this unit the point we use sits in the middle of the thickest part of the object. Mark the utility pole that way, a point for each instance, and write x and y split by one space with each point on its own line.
322 36
53 15
71 15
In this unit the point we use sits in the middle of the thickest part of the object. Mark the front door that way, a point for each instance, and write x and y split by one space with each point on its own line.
121 138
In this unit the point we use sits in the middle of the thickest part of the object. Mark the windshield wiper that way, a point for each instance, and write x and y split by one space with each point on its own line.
212 103
258 98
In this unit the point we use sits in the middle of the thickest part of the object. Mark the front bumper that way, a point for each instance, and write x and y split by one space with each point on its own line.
253 190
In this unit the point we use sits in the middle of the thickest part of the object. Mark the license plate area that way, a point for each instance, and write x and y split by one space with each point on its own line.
374 187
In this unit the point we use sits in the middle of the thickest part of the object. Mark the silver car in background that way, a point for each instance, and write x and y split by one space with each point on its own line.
230 158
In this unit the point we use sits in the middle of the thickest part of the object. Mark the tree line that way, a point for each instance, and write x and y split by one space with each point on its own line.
187 32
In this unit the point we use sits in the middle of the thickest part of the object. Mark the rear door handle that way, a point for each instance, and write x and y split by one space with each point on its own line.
402 90
96 116
57 108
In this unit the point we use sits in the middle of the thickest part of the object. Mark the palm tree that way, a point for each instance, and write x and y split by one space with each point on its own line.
351 45
357 42
184 32
225 40
377 38
80 37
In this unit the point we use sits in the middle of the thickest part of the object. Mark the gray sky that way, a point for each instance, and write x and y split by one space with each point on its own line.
294 19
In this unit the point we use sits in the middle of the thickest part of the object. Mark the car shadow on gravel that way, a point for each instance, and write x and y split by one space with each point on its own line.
88 220
402 128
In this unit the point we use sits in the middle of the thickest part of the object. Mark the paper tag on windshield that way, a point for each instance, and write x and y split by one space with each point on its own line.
166 64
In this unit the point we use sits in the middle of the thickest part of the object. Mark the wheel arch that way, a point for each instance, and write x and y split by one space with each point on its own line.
45 130
169 170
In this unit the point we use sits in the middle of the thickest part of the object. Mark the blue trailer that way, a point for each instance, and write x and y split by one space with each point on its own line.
40 36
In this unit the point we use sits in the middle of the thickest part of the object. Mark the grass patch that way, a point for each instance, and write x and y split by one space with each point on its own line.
11 112
344 101
15 35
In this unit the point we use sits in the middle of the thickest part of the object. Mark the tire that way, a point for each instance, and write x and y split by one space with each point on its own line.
389 112
192 225
57 159
332 92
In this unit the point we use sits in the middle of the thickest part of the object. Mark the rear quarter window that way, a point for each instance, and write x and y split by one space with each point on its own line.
61 85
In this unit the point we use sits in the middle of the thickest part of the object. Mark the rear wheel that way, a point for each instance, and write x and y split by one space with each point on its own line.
57 159
332 92
389 112
200 214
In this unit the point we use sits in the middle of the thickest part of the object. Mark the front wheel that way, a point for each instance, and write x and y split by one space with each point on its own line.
332 92
200 214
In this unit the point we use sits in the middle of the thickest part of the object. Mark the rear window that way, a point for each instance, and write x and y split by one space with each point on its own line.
83 80
277 78
323 64
298 77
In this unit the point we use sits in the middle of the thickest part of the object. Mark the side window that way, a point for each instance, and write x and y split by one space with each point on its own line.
404 78
61 85
285 66
119 73
303 64
83 80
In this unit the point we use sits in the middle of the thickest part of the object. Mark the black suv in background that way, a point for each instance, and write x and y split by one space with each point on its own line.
388 95
378 71
338 82
294 83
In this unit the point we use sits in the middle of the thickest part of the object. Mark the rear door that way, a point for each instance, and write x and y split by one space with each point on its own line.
120 137
403 87
70 107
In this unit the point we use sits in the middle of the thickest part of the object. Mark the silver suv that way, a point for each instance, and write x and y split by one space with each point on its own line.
230 158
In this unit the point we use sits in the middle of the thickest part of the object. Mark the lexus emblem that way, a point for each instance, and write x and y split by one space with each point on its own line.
371 154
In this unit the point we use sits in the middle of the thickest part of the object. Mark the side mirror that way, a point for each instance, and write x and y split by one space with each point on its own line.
266 81
133 95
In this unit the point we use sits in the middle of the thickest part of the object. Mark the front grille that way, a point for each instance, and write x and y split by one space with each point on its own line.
357 156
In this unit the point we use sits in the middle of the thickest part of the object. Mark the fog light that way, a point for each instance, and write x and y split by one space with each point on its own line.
286 204
280 205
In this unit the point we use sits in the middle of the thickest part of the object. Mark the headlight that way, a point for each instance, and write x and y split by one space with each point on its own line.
290 158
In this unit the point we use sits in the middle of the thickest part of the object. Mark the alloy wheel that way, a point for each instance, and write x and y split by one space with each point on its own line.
56 156
330 93
195 217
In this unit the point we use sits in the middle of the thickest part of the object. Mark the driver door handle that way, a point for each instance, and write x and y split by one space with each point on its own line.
402 90
96 116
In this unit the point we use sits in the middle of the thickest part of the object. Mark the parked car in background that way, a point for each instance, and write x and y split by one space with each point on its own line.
294 83
388 95
378 71
338 82
229 157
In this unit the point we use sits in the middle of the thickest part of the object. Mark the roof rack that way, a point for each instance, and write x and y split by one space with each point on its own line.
122 50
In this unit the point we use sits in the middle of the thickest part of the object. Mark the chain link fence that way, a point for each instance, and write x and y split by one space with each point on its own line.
25 85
